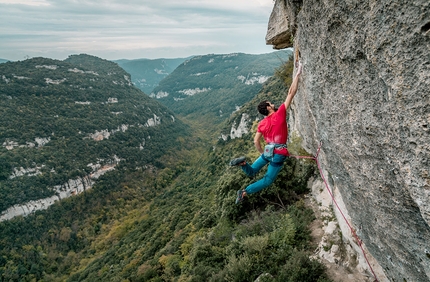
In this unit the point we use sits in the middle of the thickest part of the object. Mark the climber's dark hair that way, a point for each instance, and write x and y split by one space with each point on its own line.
262 108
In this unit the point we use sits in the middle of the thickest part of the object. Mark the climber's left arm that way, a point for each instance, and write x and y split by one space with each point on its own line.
257 143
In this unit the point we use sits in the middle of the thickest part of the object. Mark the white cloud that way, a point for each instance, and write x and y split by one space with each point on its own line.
26 2
114 29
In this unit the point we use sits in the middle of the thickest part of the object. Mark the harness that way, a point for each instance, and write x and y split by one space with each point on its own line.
270 148
279 146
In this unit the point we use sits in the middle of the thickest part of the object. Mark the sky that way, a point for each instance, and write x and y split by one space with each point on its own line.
132 29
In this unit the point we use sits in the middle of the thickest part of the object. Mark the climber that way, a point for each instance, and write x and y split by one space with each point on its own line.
275 132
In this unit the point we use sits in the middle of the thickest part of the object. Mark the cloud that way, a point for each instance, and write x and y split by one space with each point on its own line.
26 2
114 29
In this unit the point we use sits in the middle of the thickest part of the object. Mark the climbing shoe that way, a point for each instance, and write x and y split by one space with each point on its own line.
239 196
237 161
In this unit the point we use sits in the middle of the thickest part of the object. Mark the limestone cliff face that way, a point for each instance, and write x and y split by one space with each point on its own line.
365 94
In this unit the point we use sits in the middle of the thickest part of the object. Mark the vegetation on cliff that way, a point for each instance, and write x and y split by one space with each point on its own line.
214 86
62 118
173 222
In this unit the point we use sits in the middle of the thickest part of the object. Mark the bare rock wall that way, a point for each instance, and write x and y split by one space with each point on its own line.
365 94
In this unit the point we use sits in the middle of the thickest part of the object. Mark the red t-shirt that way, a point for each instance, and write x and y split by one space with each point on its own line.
275 129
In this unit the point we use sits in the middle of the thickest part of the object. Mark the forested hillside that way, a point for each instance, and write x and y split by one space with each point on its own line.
174 222
214 86
147 73
72 120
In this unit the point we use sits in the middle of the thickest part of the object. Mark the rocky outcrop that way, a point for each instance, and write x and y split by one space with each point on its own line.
72 187
364 94
279 33
241 129
10 145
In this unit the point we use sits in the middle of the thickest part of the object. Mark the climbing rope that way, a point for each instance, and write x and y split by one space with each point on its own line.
359 242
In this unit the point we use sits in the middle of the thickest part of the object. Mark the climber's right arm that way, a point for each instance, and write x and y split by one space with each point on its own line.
293 88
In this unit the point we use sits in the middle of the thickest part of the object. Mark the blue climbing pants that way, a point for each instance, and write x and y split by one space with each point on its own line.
275 165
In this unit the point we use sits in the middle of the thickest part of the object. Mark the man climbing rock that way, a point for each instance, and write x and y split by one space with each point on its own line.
275 132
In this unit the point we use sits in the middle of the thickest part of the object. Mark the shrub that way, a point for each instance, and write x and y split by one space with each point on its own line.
301 268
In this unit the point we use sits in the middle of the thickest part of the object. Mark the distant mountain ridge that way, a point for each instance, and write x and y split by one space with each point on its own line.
65 123
217 85
3 61
147 73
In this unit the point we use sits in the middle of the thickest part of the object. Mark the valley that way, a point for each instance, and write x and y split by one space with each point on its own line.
165 212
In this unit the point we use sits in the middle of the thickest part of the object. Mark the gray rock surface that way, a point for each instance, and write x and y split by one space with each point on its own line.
278 31
364 93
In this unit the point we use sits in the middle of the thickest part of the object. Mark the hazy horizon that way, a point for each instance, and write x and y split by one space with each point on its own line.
270 51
